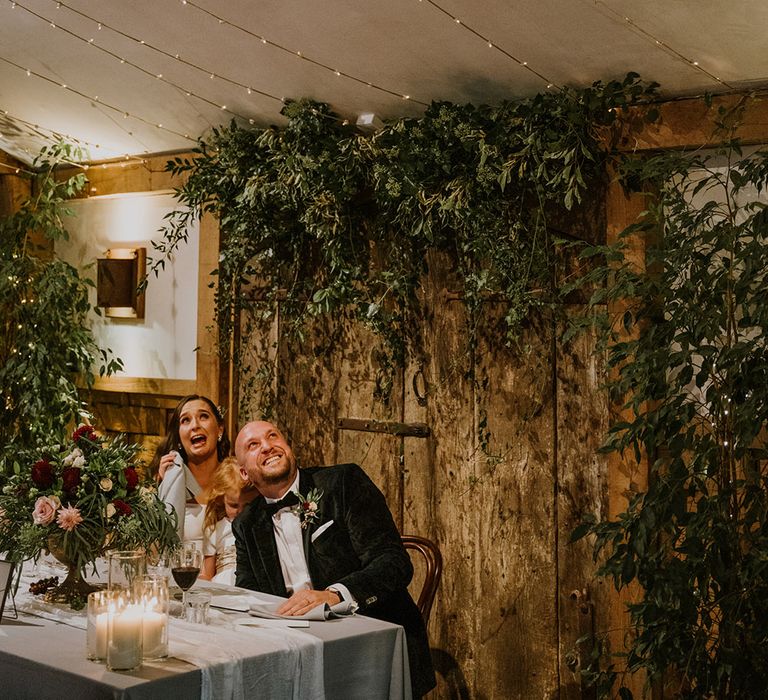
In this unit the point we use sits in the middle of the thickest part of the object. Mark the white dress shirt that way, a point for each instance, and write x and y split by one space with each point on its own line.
290 545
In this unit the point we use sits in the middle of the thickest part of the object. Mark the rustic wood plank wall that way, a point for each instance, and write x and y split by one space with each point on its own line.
491 484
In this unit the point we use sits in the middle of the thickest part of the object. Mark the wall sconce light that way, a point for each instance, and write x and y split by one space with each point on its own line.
117 278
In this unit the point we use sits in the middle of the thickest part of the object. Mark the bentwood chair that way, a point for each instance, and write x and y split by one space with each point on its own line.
434 569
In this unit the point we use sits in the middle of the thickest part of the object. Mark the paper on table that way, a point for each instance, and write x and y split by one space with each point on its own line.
270 622
317 614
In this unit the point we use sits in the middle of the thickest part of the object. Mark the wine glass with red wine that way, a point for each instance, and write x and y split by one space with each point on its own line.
185 568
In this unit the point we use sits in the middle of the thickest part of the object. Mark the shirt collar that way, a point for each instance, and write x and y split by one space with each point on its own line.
293 487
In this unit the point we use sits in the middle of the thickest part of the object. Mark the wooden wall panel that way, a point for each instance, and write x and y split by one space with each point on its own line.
582 424
14 188
514 504
330 375
443 474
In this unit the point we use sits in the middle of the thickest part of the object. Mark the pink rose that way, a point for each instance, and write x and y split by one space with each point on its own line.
69 518
45 509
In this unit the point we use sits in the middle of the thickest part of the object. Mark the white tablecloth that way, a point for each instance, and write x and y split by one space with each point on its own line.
42 655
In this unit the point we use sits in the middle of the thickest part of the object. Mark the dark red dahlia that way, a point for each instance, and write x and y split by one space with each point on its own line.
42 474
122 507
84 433
70 478
131 478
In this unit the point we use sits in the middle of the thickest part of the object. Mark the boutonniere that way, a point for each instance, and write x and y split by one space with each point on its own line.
307 507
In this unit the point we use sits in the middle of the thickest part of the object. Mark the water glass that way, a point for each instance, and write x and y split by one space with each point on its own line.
126 569
197 607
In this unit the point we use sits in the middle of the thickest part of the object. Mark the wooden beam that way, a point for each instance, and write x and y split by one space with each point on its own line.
691 123
379 426
625 475
136 174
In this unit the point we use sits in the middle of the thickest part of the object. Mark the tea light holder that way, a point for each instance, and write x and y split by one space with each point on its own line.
97 625
155 604
124 632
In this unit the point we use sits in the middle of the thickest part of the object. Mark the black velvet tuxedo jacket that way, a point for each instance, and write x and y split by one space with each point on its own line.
360 549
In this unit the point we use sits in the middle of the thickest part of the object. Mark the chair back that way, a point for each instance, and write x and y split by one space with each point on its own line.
434 569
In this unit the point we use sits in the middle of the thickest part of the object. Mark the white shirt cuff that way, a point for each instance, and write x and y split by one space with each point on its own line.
346 596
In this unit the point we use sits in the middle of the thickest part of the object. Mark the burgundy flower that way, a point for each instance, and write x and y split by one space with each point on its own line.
70 478
85 433
131 478
122 507
42 474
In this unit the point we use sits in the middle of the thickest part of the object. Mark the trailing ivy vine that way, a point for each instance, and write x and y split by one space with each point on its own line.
332 221
691 369
46 343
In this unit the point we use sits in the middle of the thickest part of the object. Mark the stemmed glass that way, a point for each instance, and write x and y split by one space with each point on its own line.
185 567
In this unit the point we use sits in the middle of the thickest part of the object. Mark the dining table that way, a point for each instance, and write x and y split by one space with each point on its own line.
235 655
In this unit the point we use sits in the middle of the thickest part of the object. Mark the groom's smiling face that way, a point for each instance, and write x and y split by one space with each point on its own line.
265 458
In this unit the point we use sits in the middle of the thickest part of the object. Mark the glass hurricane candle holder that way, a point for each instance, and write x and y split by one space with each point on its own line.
124 632
155 604
97 625
126 571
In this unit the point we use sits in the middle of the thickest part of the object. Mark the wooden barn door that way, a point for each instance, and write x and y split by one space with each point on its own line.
488 451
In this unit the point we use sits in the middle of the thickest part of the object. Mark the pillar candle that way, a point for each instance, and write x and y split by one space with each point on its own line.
154 627
97 625
124 640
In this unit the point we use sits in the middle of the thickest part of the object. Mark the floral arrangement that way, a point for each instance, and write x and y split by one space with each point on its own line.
80 499
307 507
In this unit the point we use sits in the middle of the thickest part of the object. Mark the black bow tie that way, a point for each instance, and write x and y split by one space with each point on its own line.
290 499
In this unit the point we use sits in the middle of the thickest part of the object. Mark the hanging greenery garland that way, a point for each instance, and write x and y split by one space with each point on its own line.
333 221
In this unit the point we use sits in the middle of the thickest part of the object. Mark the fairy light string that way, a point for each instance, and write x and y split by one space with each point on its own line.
173 56
301 55
123 60
660 44
37 130
491 44
107 105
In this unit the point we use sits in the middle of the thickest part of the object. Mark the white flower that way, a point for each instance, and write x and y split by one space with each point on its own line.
110 510
71 459
105 484
147 494
79 462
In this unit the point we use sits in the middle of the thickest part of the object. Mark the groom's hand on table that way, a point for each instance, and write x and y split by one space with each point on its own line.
302 602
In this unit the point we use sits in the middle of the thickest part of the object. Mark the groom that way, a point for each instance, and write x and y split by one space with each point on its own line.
337 542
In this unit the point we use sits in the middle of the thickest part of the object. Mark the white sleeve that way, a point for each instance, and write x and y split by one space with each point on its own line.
210 537
173 492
